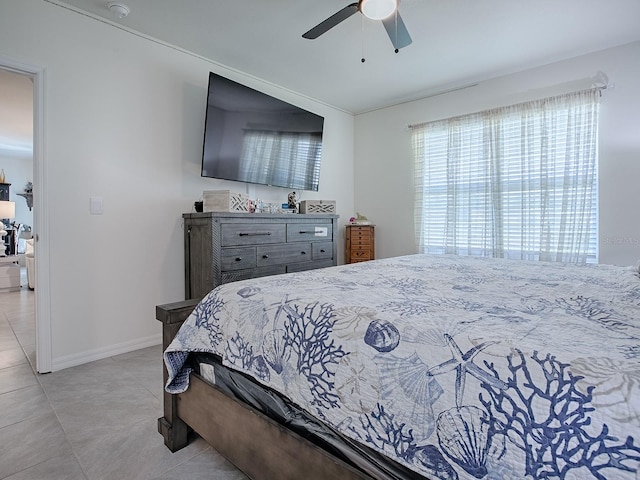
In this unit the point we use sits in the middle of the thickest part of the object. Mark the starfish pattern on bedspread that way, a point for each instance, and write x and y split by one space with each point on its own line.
462 363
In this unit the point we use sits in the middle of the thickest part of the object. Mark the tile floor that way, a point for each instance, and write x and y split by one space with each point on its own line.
93 421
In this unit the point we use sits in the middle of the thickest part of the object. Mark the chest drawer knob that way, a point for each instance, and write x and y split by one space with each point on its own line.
265 256
238 259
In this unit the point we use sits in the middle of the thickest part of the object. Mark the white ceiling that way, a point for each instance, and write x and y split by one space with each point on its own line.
455 42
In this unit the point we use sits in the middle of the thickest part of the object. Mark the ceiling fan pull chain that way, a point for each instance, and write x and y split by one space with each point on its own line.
362 37
396 20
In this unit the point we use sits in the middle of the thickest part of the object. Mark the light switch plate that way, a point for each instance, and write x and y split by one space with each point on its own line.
96 206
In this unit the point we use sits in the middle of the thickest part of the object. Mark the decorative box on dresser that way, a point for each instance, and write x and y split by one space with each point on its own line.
224 247
360 243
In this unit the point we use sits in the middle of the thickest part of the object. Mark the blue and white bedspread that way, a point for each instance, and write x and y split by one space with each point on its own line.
456 367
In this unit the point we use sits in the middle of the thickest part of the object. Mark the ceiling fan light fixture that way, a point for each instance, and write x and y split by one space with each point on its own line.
378 9
119 10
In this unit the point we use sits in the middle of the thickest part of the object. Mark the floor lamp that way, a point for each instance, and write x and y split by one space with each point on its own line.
7 212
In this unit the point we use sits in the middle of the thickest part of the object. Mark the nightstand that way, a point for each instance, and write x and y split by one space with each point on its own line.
360 243
9 274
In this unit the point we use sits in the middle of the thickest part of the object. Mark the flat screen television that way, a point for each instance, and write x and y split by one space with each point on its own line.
252 137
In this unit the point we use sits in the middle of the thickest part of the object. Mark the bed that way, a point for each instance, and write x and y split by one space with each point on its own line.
448 367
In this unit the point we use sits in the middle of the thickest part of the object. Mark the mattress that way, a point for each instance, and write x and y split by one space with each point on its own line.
453 367
282 410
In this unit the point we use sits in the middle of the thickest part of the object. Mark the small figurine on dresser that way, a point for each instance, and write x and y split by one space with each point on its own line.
293 202
359 220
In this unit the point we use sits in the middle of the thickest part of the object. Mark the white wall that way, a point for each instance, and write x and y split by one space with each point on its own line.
124 121
383 158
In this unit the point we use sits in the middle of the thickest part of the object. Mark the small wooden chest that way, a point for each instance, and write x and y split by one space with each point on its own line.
360 243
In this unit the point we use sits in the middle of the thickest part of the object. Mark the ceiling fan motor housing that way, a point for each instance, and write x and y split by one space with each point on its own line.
378 9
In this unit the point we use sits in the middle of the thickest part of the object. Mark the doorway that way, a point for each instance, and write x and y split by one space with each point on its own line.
39 225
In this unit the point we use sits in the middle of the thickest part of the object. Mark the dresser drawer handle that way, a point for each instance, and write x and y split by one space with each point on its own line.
322 250
254 234
265 256
303 253
238 259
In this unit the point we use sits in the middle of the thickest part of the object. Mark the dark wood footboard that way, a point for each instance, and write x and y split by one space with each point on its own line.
254 443
171 427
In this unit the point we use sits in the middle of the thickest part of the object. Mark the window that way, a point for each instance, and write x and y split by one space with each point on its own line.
514 182
281 158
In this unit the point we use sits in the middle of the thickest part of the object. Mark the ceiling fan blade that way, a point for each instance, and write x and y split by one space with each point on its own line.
397 31
332 21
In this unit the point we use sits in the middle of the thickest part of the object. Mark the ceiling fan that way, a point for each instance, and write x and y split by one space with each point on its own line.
385 10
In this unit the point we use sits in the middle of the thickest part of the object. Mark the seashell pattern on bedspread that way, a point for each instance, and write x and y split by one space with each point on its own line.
457 367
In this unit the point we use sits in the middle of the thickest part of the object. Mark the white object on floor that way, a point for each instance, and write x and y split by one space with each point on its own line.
9 274
30 262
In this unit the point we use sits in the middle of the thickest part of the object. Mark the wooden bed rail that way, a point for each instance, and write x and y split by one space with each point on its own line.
257 445
170 426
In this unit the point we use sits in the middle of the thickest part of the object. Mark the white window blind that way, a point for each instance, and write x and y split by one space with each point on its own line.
514 182
281 158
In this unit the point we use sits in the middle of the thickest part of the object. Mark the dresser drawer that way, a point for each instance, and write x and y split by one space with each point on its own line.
361 255
297 232
252 233
363 235
237 258
322 250
365 240
360 248
363 230
236 275
302 266
283 254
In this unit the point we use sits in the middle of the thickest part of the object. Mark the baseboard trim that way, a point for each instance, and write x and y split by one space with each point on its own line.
104 352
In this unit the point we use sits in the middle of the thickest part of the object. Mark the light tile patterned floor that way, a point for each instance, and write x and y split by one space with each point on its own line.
93 421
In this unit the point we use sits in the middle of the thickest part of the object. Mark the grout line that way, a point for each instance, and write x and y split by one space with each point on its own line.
64 431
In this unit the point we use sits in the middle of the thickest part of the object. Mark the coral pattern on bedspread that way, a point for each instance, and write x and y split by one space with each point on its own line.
457 367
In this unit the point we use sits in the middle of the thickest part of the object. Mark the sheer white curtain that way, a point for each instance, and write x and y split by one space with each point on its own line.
514 182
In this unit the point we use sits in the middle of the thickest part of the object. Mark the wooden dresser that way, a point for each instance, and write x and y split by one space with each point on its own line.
225 247
360 243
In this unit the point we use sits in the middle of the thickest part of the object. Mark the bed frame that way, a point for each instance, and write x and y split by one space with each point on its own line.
255 444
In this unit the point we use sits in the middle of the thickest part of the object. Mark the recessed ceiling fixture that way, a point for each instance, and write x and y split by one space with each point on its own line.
378 9
120 10
385 10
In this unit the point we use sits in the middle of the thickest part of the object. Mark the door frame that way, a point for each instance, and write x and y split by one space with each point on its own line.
44 352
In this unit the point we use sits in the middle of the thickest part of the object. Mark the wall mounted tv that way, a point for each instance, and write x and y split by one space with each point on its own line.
252 137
